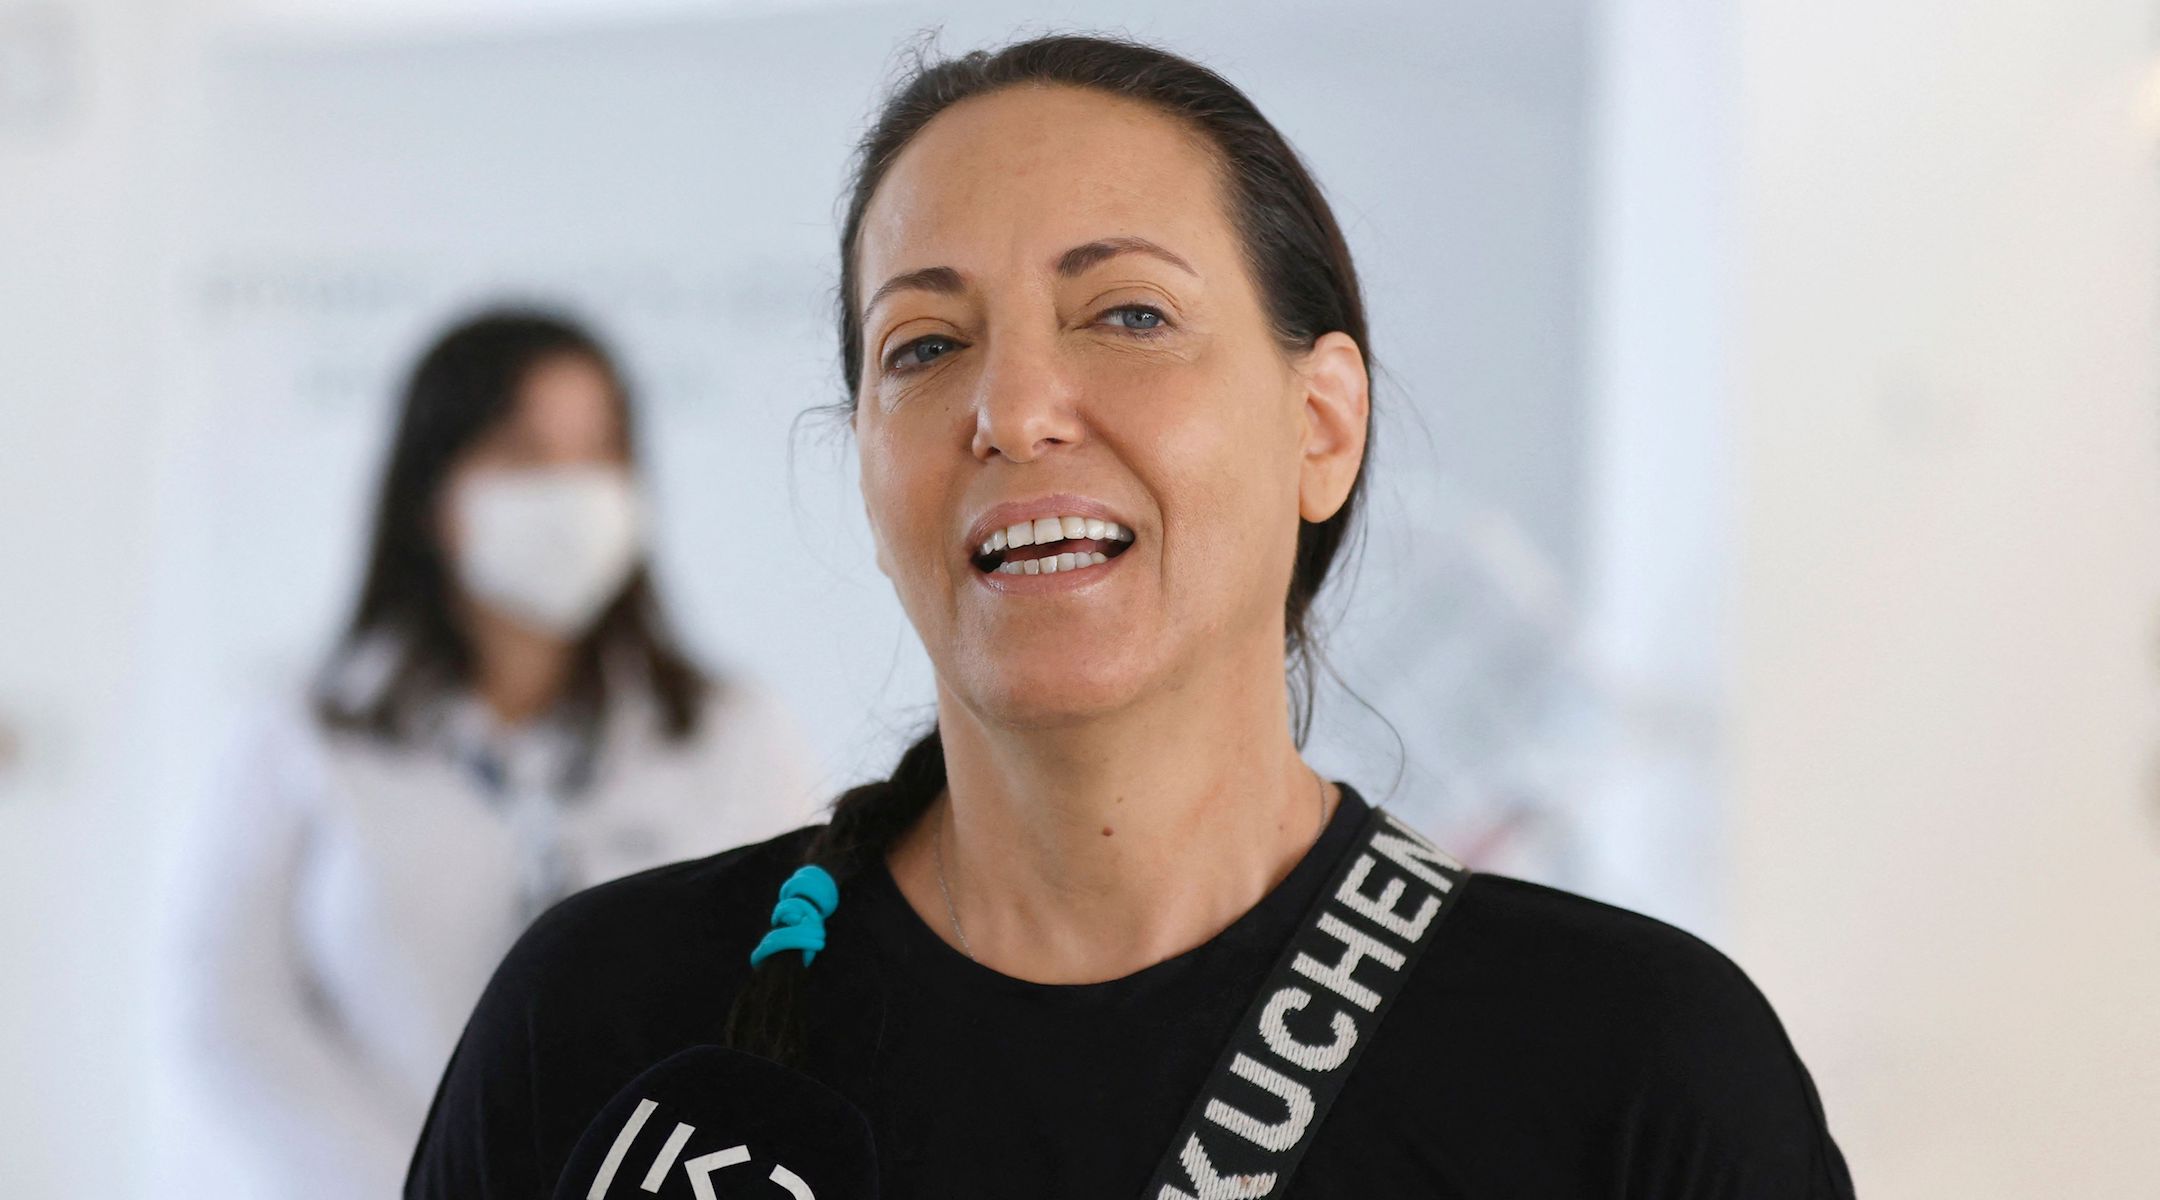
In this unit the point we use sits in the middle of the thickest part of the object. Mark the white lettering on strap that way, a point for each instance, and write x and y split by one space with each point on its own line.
1359 946
1388 920
1380 910
1414 854
1207 1185
1309 1055
1296 1098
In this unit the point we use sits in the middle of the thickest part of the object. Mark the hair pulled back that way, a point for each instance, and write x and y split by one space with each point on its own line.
1302 271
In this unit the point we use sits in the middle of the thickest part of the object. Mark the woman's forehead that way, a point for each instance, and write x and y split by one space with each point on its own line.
1024 174
567 400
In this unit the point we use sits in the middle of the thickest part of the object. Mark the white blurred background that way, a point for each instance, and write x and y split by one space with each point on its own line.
1765 531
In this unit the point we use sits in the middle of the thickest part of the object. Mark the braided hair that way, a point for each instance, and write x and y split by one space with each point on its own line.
1302 270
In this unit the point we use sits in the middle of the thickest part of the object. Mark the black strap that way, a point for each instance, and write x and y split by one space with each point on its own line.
1322 1004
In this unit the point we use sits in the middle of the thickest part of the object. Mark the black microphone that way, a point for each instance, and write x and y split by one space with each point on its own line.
716 1124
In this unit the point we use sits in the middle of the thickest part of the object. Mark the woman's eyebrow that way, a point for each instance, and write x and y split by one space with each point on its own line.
1080 258
945 281
942 280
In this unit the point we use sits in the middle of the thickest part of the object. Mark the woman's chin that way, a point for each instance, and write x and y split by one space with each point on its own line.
1050 694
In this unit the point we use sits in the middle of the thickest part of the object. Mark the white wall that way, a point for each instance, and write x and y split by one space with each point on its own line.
83 144
1657 501
1946 859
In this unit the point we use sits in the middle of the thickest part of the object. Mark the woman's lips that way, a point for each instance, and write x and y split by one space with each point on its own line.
1051 544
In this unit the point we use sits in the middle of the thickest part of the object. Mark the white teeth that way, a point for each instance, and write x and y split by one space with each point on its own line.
1054 564
1043 531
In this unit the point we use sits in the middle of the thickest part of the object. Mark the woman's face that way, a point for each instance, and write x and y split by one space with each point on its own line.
1058 322
566 414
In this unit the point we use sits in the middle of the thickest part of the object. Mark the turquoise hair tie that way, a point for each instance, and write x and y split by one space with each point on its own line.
798 921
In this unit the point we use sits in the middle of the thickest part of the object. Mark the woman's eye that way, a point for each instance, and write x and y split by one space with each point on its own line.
920 353
1137 317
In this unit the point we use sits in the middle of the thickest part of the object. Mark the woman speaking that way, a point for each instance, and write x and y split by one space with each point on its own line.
1103 933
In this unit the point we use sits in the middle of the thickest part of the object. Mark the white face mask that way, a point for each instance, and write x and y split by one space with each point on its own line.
550 546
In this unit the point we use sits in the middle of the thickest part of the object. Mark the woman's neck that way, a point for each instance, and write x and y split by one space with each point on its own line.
1083 854
519 672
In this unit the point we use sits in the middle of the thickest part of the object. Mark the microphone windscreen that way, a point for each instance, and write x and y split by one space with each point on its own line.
715 1124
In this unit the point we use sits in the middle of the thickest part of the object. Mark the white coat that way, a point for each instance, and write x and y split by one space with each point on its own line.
350 898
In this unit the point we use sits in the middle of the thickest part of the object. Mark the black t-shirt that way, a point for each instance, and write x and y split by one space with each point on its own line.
1546 1046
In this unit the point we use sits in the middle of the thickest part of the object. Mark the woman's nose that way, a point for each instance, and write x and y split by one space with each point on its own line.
1025 403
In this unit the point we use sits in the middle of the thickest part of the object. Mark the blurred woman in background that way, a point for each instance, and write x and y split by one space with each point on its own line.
505 720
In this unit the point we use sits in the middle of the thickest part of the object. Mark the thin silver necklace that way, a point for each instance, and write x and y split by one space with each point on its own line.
952 913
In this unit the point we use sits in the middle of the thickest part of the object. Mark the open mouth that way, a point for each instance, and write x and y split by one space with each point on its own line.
1048 545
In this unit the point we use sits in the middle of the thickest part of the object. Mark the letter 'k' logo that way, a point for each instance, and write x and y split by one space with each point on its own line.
699 1169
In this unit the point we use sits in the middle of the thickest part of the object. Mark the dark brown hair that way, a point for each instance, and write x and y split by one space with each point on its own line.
1301 268
465 385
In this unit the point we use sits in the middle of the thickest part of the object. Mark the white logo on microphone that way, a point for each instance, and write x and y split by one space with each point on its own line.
700 1169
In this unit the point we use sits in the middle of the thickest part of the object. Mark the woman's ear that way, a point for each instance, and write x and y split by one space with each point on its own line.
1337 405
